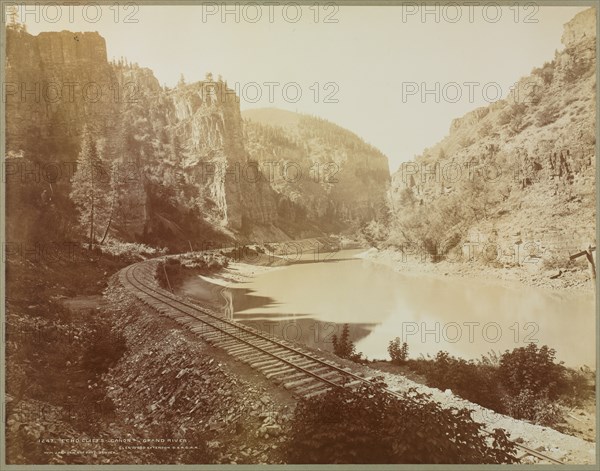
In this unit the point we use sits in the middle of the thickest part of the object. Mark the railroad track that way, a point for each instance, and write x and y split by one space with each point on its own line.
297 369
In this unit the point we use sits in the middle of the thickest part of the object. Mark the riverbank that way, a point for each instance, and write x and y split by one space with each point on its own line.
574 280
547 440
579 421
382 302
565 447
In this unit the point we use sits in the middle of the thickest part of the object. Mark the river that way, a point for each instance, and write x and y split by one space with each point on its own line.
310 300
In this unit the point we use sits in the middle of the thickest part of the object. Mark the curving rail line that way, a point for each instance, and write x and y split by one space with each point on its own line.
301 371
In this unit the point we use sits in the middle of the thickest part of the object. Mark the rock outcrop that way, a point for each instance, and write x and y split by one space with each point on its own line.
525 163
56 82
580 28
192 156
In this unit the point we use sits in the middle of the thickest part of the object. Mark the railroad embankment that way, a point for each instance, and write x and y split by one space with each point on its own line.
542 439
179 386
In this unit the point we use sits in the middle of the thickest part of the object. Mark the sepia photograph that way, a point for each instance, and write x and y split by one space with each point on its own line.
298 233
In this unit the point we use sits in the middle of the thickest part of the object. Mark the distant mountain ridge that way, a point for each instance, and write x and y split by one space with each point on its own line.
273 117
343 178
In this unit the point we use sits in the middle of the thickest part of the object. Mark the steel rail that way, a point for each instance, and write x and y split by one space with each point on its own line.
145 288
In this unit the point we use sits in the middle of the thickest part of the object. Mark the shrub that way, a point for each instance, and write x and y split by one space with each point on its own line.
547 115
533 407
577 69
514 116
374 232
526 383
579 386
407 198
426 229
504 118
554 261
533 369
485 129
546 72
398 353
490 358
371 426
130 250
475 382
206 262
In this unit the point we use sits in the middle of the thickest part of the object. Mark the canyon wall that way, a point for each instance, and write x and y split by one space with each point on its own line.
194 180
520 171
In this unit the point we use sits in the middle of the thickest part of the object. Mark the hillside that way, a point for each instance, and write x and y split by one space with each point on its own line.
328 171
183 168
513 181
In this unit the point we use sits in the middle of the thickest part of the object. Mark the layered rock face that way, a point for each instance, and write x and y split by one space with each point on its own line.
195 179
55 82
192 143
530 158
207 121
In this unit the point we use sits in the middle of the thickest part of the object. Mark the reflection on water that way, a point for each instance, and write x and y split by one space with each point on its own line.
311 301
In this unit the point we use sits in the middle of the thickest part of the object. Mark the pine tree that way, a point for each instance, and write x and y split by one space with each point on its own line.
89 187
343 346
398 351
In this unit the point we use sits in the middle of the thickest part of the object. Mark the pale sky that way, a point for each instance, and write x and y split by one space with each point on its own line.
367 58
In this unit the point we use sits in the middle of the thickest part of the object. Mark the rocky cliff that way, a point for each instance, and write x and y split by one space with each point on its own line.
581 27
55 82
519 171
195 166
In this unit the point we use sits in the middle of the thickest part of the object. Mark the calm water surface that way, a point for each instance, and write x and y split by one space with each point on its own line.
309 301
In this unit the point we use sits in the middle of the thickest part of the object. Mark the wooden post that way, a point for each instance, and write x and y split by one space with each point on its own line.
589 254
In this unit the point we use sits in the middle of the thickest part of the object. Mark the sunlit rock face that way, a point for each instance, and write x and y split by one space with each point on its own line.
527 160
